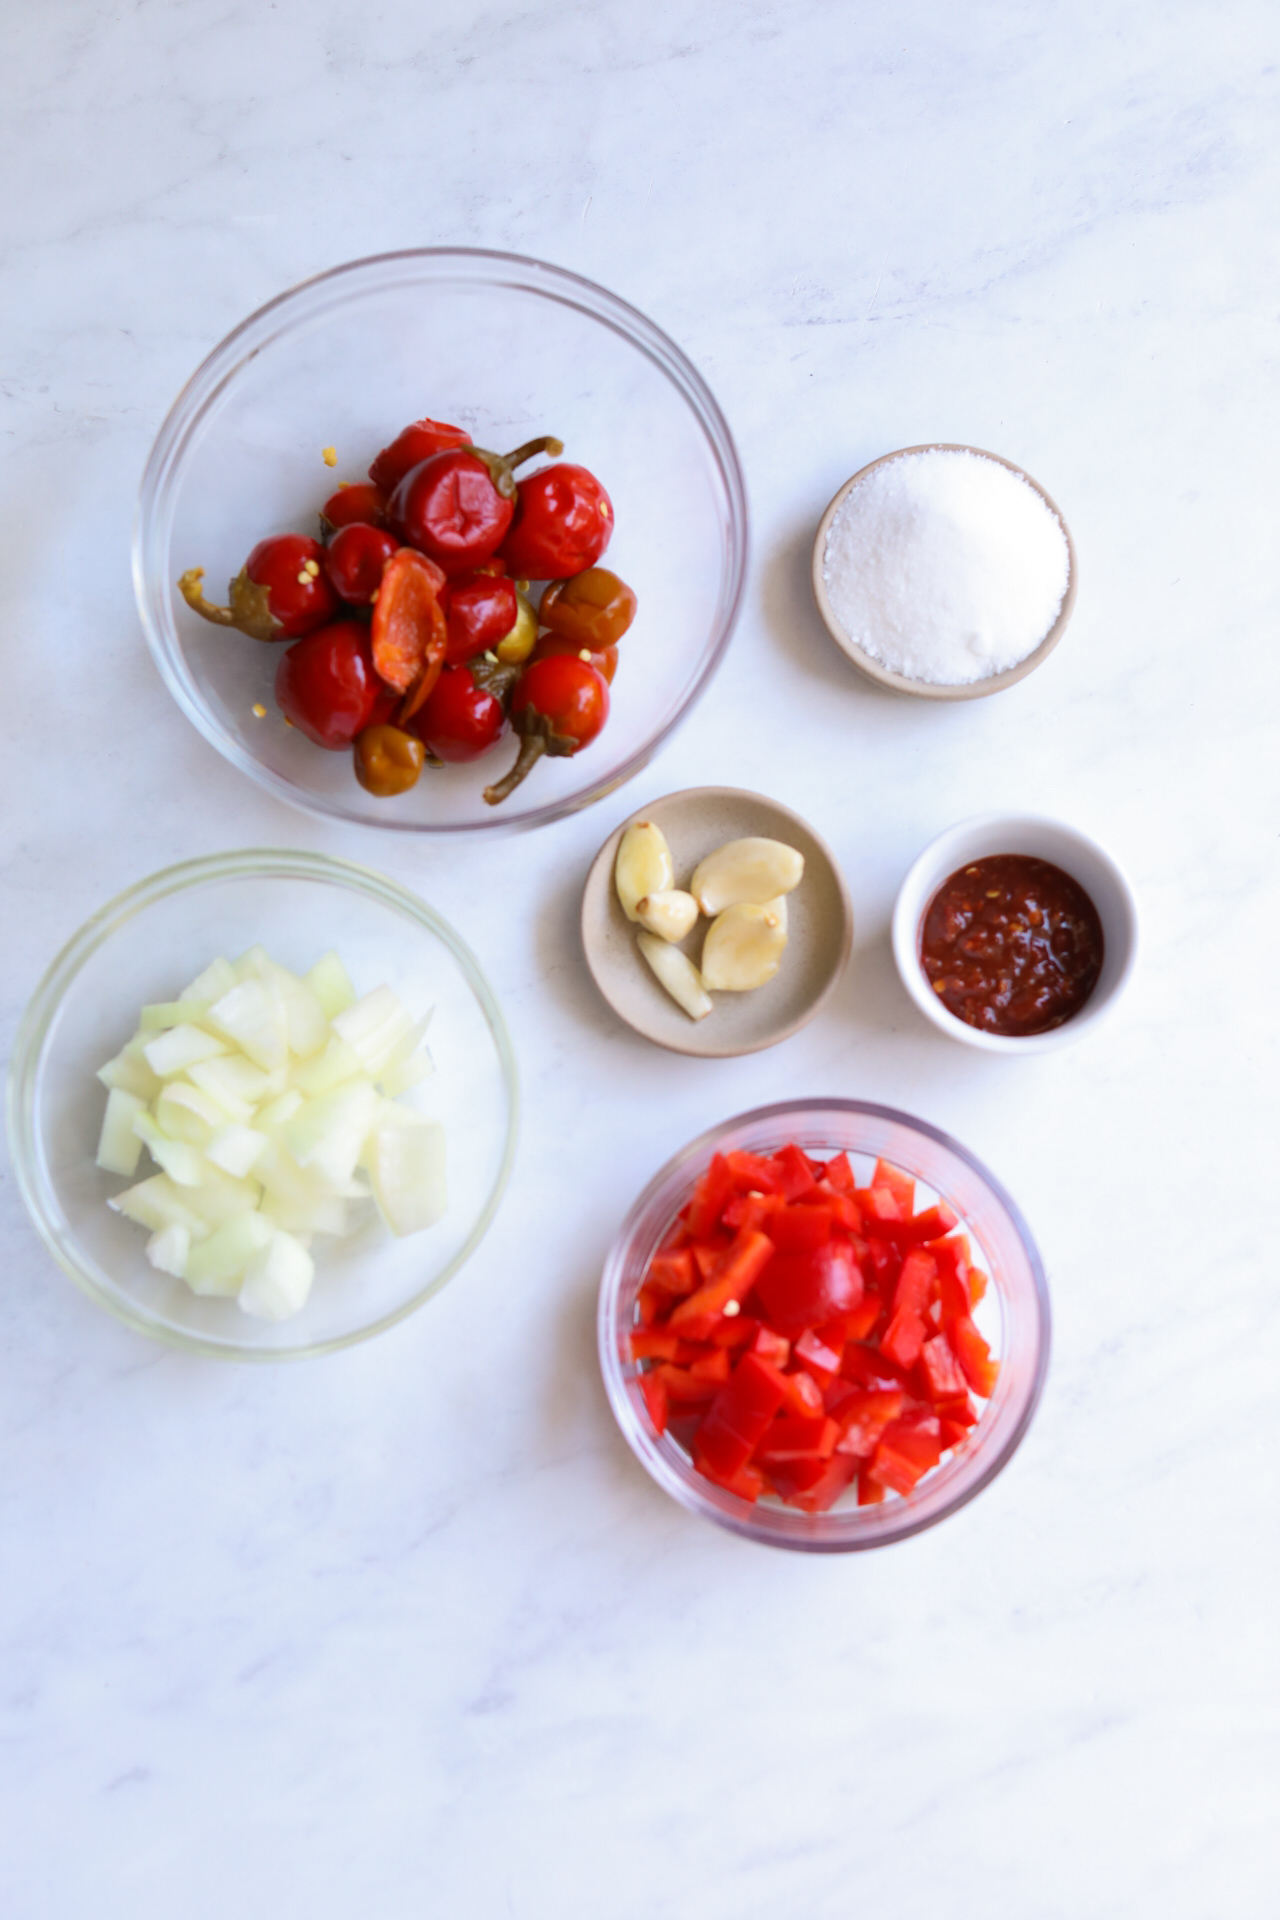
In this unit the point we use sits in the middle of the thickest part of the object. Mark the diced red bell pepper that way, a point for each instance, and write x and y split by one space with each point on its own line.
737 1273
862 1320
920 1228
673 1272
654 1394
714 1367
794 1172
751 1173
738 1417
684 1387
863 1419
974 1355
885 1263
772 1346
951 1255
737 1330
802 1290
751 1210
791 1437
650 1302
898 1183
881 1204
840 1174
866 1366
977 1284
906 1452
799 1229
941 1370
654 1343
914 1287
817 1356
707 1255
961 1411
815 1486
803 1394
870 1492
712 1194
954 1432
903 1337
748 1482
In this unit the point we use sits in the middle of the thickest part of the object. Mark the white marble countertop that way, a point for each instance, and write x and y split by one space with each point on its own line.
407 1631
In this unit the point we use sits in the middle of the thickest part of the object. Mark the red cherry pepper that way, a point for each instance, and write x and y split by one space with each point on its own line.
562 524
455 507
603 659
480 609
408 630
326 685
354 560
463 717
349 504
559 707
281 592
417 443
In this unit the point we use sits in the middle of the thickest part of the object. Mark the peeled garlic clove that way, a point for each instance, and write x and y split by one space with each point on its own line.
643 865
752 871
670 914
743 947
677 973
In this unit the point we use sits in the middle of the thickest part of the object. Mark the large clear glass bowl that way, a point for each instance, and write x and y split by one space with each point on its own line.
144 946
507 348
1014 1317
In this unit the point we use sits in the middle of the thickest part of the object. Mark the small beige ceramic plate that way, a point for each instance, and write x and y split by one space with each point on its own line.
926 689
819 928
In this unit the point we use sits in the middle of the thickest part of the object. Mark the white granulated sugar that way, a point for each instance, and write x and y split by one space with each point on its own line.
945 566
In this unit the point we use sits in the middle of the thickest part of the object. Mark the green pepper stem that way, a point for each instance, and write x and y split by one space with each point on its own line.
532 748
500 465
193 593
547 444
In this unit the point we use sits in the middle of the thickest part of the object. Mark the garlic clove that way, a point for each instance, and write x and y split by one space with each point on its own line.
751 872
743 948
643 865
677 973
670 913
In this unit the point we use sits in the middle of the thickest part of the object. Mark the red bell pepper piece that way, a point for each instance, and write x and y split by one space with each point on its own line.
714 1367
815 1485
903 1337
961 1411
654 1394
707 1255
711 1195
748 1482
920 1229
840 1174
906 1452
794 1172
751 1173
803 1394
650 1302
974 1355
654 1343
863 1418
951 1255
738 1417
802 1290
798 1229
816 1353
673 1272
866 1366
881 1204
740 1330
898 1183
885 1264
791 1437
684 1386
941 1370
771 1346
914 1288
862 1320
870 1492
734 1278
751 1210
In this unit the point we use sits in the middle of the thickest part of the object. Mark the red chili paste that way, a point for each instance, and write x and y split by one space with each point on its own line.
1012 945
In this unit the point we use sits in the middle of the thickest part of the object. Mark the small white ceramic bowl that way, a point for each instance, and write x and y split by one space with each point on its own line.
995 833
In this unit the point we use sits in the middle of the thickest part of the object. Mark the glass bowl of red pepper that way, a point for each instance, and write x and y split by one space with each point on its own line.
314 389
824 1325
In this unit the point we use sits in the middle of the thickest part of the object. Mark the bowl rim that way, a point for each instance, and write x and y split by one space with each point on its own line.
26 1067
920 882
332 288
674 1043
739 1516
926 689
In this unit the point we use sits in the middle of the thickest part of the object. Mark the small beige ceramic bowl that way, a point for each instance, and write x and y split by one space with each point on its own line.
925 689
819 928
